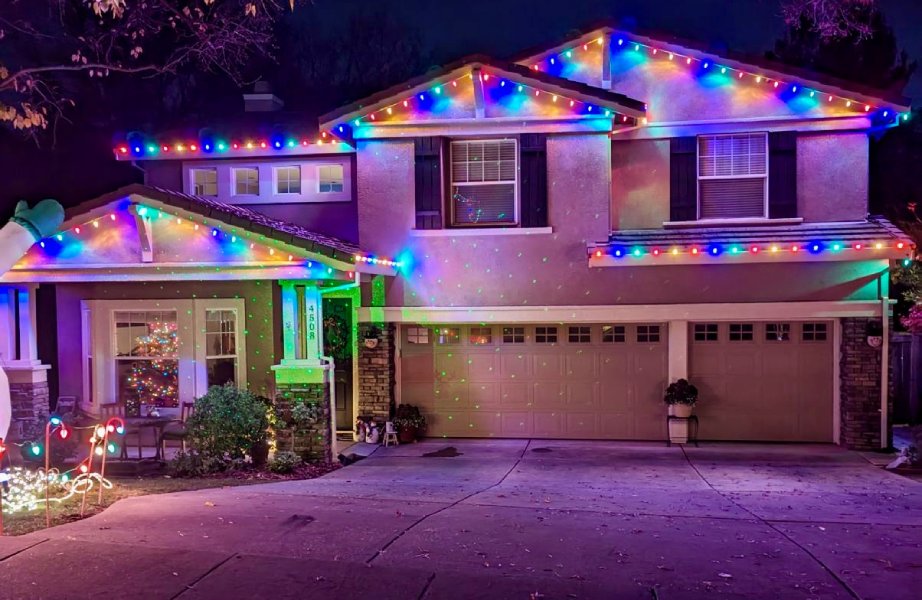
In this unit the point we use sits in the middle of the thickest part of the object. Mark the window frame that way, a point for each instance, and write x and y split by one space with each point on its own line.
579 334
194 184
653 333
485 331
699 177
742 332
452 222
784 327
237 333
276 169
342 178
819 332
442 334
516 334
237 193
709 328
544 336
414 336
617 333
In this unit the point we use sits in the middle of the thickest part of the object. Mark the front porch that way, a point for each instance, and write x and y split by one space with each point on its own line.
151 297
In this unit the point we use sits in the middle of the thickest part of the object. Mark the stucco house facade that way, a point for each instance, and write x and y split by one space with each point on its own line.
522 249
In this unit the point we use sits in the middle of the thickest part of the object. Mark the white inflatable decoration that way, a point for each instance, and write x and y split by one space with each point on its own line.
27 226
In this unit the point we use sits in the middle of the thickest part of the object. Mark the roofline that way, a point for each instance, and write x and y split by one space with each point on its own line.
620 102
177 200
770 68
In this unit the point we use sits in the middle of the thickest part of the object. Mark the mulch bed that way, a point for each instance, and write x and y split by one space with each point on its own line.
305 471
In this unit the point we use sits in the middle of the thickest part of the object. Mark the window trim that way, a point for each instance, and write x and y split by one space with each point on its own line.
516 185
201 308
698 177
546 333
513 334
579 334
413 332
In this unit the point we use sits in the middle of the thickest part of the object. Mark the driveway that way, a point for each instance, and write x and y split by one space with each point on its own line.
506 519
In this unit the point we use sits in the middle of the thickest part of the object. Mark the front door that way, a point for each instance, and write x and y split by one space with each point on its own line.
338 343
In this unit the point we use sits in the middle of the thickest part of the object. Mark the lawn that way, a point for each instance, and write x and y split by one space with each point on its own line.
126 487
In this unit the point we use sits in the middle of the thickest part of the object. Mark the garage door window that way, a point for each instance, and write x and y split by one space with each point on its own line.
481 336
546 335
449 336
814 332
418 335
777 332
706 332
613 334
513 335
740 332
648 333
579 335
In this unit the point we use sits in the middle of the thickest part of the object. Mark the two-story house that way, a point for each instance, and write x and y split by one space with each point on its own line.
528 249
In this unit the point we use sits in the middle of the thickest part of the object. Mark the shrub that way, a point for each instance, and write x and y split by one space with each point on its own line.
408 415
191 464
227 423
284 462
681 392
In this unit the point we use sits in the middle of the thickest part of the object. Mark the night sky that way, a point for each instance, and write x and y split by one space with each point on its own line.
79 164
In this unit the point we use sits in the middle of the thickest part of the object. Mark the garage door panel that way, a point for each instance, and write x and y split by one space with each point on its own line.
514 396
549 424
515 365
741 361
615 366
549 395
482 367
417 368
548 366
582 396
581 364
517 424
483 423
451 367
484 396
451 395
582 424
422 394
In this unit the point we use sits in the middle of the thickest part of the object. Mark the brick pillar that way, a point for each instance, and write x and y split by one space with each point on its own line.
314 442
859 387
29 400
376 371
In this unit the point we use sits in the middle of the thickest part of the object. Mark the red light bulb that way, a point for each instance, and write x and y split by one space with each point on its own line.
754 249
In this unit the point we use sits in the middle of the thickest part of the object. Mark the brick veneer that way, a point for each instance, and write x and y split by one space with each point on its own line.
859 387
376 371
29 406
314 443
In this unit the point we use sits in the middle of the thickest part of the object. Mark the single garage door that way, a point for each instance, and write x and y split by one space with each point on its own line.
600 381
763 381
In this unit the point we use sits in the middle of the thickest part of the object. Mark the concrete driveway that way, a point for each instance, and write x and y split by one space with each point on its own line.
506 519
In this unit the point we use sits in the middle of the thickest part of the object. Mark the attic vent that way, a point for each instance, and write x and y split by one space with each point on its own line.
262 99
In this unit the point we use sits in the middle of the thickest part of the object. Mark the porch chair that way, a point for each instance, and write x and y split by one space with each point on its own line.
390 434
176 430
114 409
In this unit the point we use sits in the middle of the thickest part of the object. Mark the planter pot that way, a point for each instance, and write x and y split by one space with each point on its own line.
406 435
682 410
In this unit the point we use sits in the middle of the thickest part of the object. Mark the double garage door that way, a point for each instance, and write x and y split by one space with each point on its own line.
606 381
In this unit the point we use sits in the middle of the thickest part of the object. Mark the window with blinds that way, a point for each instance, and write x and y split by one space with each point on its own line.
483 182
732 176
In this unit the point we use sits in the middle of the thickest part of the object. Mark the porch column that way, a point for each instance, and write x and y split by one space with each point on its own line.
28 378
678 350
304 375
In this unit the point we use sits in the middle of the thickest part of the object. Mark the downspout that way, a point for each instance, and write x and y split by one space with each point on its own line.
331 373
885 374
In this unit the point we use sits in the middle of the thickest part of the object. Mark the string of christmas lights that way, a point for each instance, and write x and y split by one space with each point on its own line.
151 148
816 247
622 42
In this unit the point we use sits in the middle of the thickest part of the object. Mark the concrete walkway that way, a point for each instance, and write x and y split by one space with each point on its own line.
506 519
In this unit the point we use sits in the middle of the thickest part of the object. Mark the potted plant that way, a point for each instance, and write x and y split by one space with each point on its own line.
408 422
681 397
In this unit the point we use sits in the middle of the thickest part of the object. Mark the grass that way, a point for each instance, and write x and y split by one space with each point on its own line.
69 510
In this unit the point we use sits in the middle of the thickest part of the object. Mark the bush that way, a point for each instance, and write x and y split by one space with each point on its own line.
284 462
681 392
227 423
190 464
408 415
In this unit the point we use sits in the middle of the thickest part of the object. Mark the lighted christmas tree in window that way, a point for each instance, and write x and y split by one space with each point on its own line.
151 377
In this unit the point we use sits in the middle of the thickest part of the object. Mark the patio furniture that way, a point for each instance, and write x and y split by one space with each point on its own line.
692 431
390 434
114 409
65 405
176 430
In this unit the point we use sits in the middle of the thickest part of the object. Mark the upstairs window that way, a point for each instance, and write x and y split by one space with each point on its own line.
733 176
331 178
246 181
483 182
288 180
204 182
